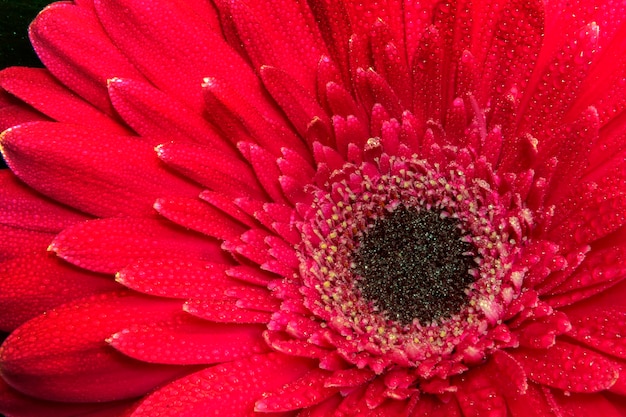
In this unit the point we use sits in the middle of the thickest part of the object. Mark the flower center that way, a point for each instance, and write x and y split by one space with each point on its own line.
406 262
414 265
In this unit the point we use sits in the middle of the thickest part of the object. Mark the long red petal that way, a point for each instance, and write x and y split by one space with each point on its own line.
62 355
101 174
230 389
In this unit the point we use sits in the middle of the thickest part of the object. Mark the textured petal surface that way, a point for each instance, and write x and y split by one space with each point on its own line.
211 178
189 341
568 367
101 174
108 245
40 89
15 404
71 43
62 355
227 389
32 284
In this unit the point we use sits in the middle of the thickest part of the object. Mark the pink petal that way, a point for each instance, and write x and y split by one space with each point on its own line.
188 341
230 207
98 173
70 42
294 165
229 389
62 355
31 284
109 245
254 298
40 89
284 343
568 367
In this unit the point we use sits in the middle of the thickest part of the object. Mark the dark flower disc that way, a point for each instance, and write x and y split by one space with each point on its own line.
414 265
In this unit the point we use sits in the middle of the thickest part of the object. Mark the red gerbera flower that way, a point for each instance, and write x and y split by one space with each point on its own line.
318 208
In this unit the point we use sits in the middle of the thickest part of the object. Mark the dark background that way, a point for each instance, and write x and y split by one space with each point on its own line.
15 49
15 15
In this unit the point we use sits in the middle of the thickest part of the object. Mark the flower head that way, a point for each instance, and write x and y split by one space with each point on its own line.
315 208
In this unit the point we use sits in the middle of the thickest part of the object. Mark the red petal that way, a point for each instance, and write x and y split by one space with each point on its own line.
578 405
32 284
101 174
302 393
352 377
323 409
13 112
300 106
216 170
62 355
237 118
170 44
151 112
533 398
199 216
568 367
478 396
557 85
188 341
572 147
600 266
177 278
39 89
266 169
16 242
15 404
225 311
602 330
435 407
295 48
108 245
229 389
22 207
70 42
